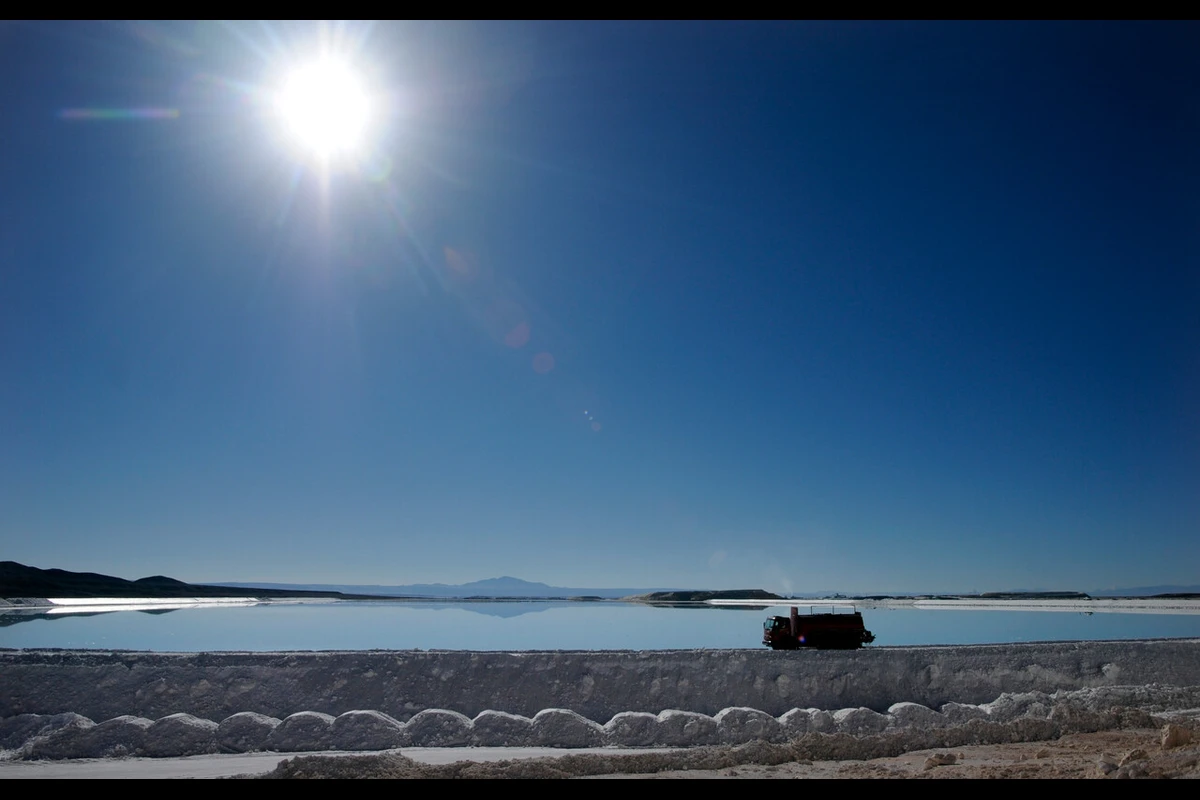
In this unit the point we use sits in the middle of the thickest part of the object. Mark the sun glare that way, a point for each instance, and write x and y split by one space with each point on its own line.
325 109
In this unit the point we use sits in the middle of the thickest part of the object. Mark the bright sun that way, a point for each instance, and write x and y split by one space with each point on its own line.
325 109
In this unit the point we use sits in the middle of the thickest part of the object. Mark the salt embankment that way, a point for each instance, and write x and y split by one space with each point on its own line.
852 733
594 684
190 703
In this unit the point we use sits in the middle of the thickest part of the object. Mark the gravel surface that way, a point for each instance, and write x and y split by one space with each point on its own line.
1117 754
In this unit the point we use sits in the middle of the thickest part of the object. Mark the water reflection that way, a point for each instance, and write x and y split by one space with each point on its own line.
550 625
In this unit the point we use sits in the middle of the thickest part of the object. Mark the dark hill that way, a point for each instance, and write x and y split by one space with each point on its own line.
159 580
18 580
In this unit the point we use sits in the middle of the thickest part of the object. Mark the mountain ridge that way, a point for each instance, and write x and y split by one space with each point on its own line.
19 580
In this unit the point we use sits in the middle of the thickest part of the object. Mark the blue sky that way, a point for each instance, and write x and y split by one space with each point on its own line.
805 306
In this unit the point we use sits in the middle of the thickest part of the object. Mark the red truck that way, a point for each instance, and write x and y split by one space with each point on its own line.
831 631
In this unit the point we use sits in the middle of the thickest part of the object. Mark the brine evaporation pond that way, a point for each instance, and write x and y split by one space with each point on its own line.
545 625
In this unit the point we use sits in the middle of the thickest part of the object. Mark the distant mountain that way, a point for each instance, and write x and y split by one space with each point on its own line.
1147 591
701 596
505 586
18 580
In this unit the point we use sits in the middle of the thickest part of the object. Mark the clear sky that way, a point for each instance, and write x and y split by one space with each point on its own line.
805 306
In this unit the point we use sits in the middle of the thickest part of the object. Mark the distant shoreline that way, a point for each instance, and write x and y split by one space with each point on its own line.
19 583
1086 605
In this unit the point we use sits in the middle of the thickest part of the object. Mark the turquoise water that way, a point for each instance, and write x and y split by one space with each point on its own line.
390 625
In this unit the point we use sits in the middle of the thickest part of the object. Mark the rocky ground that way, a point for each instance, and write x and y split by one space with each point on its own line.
1169 751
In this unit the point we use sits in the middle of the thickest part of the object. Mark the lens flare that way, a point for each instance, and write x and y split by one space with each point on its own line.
118 114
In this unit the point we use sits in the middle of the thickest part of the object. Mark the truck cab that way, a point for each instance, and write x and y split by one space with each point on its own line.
826 631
